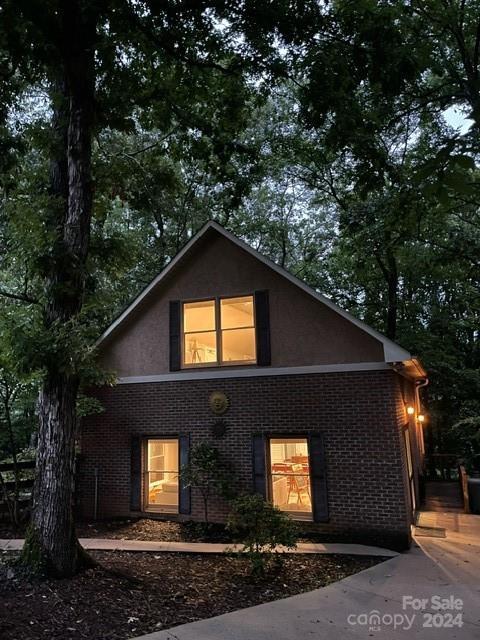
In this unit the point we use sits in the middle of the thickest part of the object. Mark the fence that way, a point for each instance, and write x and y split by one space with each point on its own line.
7 485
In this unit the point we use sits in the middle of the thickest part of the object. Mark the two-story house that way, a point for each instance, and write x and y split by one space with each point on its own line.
309 406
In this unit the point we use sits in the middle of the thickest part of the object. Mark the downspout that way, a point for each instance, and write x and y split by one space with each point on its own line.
95 499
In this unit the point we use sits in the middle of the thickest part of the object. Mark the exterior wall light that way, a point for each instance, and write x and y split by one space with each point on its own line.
410 410
421 417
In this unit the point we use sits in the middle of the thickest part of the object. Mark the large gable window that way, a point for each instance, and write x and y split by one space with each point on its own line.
219 331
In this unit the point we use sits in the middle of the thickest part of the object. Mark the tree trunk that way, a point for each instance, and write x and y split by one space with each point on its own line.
51 546
390 273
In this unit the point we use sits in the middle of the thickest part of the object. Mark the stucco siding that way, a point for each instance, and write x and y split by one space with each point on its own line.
303 330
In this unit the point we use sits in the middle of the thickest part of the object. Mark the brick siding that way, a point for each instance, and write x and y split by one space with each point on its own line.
361 416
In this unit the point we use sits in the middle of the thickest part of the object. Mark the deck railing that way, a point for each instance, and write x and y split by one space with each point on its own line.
446 467
441 466
463 477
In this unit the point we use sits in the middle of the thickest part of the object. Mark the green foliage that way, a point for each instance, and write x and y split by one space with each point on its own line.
207 473
464 439
346 173
260 527
87 406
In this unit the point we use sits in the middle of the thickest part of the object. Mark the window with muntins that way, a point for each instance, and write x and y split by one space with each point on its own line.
161 475
289 470
218 331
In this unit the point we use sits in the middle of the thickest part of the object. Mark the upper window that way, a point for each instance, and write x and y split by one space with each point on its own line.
200 335
219 331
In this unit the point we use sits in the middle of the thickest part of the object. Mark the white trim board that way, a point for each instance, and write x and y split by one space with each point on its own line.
392 351
202 374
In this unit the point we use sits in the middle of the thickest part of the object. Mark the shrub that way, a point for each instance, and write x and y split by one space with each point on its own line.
465 442
206 473
260 527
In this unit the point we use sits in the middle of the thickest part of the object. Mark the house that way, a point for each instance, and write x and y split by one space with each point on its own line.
309 406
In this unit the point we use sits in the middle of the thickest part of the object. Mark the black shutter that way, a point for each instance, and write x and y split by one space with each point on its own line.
318 478
175 347
259 480
136 474
184 492
262 327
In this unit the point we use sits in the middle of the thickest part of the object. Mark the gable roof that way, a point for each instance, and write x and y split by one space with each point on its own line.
392 351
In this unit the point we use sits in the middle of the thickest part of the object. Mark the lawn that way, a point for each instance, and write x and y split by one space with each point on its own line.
130 594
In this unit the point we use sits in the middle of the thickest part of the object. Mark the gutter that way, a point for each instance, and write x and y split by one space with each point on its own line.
421 371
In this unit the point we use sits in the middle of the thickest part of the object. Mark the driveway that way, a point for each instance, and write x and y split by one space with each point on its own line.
389 601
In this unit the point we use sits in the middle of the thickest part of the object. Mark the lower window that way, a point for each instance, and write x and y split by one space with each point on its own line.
290 487
161 475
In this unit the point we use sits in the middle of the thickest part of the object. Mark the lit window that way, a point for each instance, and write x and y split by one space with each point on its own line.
200 336
219 332
238 329
290 476
161 476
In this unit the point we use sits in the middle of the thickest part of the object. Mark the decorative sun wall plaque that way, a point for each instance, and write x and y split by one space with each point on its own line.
218 402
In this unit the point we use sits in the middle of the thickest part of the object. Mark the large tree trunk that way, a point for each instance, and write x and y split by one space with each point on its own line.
389 269
51 546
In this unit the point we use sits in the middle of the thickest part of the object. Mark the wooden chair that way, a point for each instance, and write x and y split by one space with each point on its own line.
299 484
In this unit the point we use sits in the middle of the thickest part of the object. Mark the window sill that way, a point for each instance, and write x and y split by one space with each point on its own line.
299 517
225 365
160 510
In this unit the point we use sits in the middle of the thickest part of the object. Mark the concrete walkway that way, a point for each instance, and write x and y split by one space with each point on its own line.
389 601
108 544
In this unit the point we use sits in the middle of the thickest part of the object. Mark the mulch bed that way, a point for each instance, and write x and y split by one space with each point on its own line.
138 529
157 530
8 532
131 594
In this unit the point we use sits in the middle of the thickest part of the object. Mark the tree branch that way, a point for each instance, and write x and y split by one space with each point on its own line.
170 50
476 52
18 296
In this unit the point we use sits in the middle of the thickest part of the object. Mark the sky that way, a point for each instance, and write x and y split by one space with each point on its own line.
456 118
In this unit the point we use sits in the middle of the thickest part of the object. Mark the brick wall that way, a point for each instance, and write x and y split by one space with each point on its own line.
361 416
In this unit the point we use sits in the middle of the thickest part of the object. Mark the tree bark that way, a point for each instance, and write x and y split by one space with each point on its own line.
390 273
51 546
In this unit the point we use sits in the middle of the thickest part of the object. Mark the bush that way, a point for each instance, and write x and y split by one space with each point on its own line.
260 528
206 473
465 439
